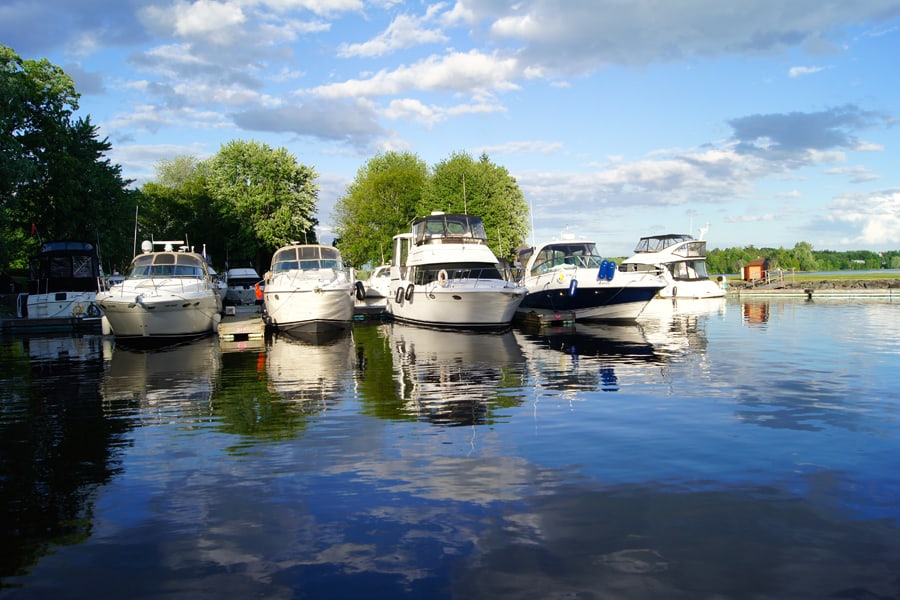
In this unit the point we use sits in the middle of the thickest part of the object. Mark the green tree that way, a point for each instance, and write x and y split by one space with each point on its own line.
380 202
460 184
179 205
53 173
270 195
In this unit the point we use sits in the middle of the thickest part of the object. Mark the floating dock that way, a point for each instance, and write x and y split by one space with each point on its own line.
28 326
242 328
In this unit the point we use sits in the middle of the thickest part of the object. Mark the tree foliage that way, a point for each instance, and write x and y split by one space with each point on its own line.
271 195
801 257
379 203
460 184
393 189
54 177
241 205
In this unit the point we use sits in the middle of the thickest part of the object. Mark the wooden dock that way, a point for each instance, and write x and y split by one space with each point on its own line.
26 326
242 328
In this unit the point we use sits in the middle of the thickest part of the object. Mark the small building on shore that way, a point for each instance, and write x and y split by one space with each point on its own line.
756 269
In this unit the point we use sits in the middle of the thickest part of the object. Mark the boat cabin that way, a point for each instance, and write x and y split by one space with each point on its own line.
64 266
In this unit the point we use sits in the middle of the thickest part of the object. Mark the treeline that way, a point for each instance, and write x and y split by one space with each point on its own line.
801 257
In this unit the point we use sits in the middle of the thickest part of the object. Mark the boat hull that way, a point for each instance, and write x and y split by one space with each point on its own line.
58 305
309 311
167 316
485 304
591 302
697 289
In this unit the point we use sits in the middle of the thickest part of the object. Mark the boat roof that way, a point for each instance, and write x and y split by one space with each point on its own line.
657 243
69 246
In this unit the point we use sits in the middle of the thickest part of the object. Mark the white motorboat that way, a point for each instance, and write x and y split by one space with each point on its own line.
63 282
166 294
444 274
570 276
680 260
308 289
241 286
373 291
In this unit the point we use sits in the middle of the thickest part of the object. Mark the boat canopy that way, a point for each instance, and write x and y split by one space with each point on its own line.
448 228
655 243
64 266
306 258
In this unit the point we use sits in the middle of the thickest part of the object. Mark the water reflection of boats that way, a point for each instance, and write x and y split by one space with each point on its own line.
455 377
179 378
678 325
311 368
586 356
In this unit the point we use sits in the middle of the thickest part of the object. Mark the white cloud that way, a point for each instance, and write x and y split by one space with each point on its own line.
471 72
404 31
795 72
521 147
875 217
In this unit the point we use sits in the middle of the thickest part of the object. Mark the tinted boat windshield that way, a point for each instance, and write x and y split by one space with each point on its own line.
166 264
576 254
307 258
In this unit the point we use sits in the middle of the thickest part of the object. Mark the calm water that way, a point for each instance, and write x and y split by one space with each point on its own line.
713 450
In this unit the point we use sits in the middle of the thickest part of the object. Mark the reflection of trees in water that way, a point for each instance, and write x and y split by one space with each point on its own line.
57 445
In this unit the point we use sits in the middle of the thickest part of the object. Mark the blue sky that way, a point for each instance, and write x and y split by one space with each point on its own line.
772 122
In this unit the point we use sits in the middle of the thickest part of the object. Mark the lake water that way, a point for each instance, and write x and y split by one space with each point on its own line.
715 449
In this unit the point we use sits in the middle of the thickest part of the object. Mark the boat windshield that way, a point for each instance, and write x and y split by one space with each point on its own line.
166 264
307 258
574 254
688 270
656 243
448 228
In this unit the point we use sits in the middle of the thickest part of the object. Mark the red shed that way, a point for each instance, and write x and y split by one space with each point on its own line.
755 269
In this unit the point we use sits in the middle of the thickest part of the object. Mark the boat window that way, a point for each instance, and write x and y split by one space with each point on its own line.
164 259
285 255
308 252
143 259
286 265
457 271
82 266
330 253
689 270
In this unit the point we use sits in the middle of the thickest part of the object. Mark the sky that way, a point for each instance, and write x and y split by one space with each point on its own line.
754 122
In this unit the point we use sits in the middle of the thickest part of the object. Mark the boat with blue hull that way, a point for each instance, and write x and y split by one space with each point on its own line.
571 276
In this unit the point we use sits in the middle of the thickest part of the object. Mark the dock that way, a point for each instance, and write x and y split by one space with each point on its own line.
27 326
242 328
